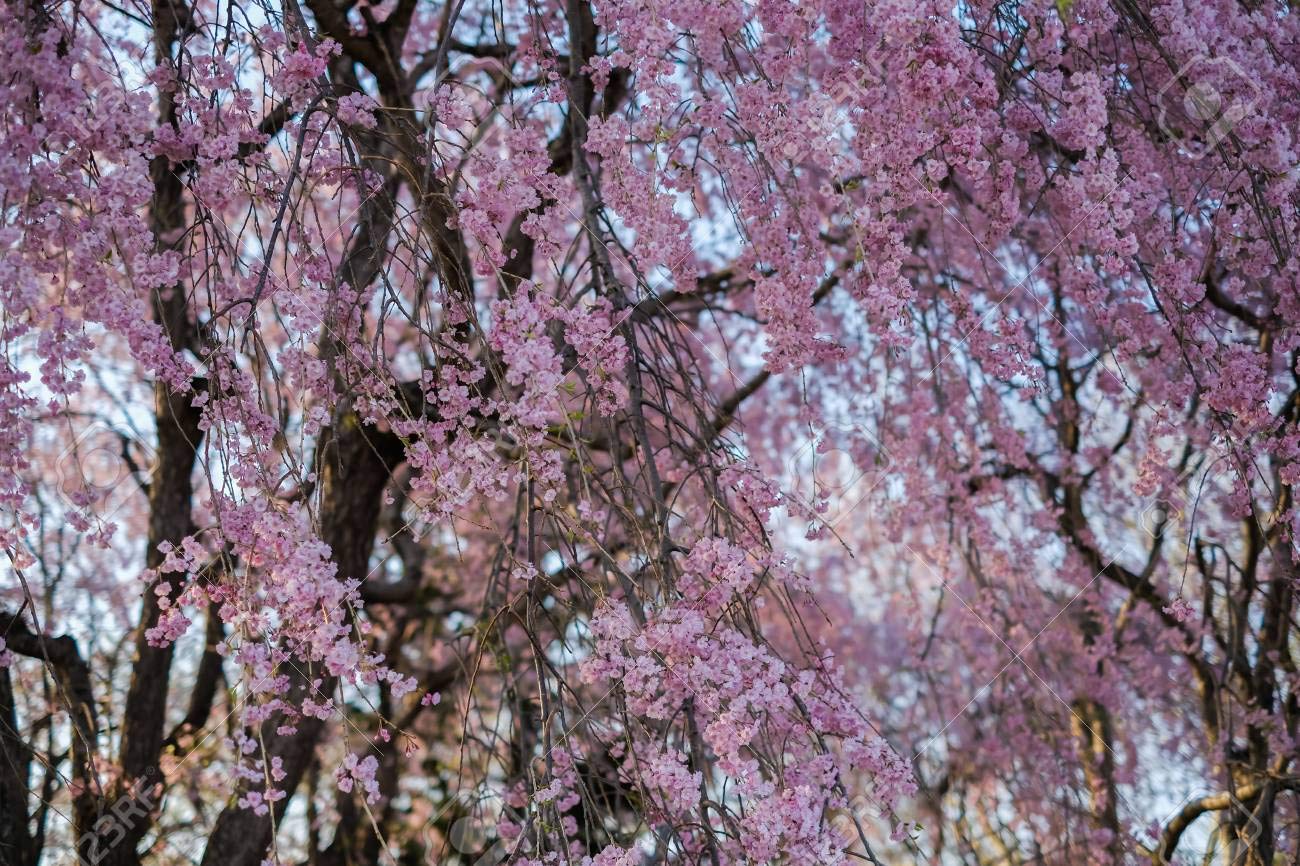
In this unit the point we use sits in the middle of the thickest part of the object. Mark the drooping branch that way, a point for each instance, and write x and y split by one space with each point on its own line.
1187 815
74 689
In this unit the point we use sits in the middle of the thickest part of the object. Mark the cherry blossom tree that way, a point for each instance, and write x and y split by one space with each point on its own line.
648 432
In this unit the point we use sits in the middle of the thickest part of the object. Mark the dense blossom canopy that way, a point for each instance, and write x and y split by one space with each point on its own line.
572 433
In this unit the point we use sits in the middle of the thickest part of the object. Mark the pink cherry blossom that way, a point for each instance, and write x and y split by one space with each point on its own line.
726 433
